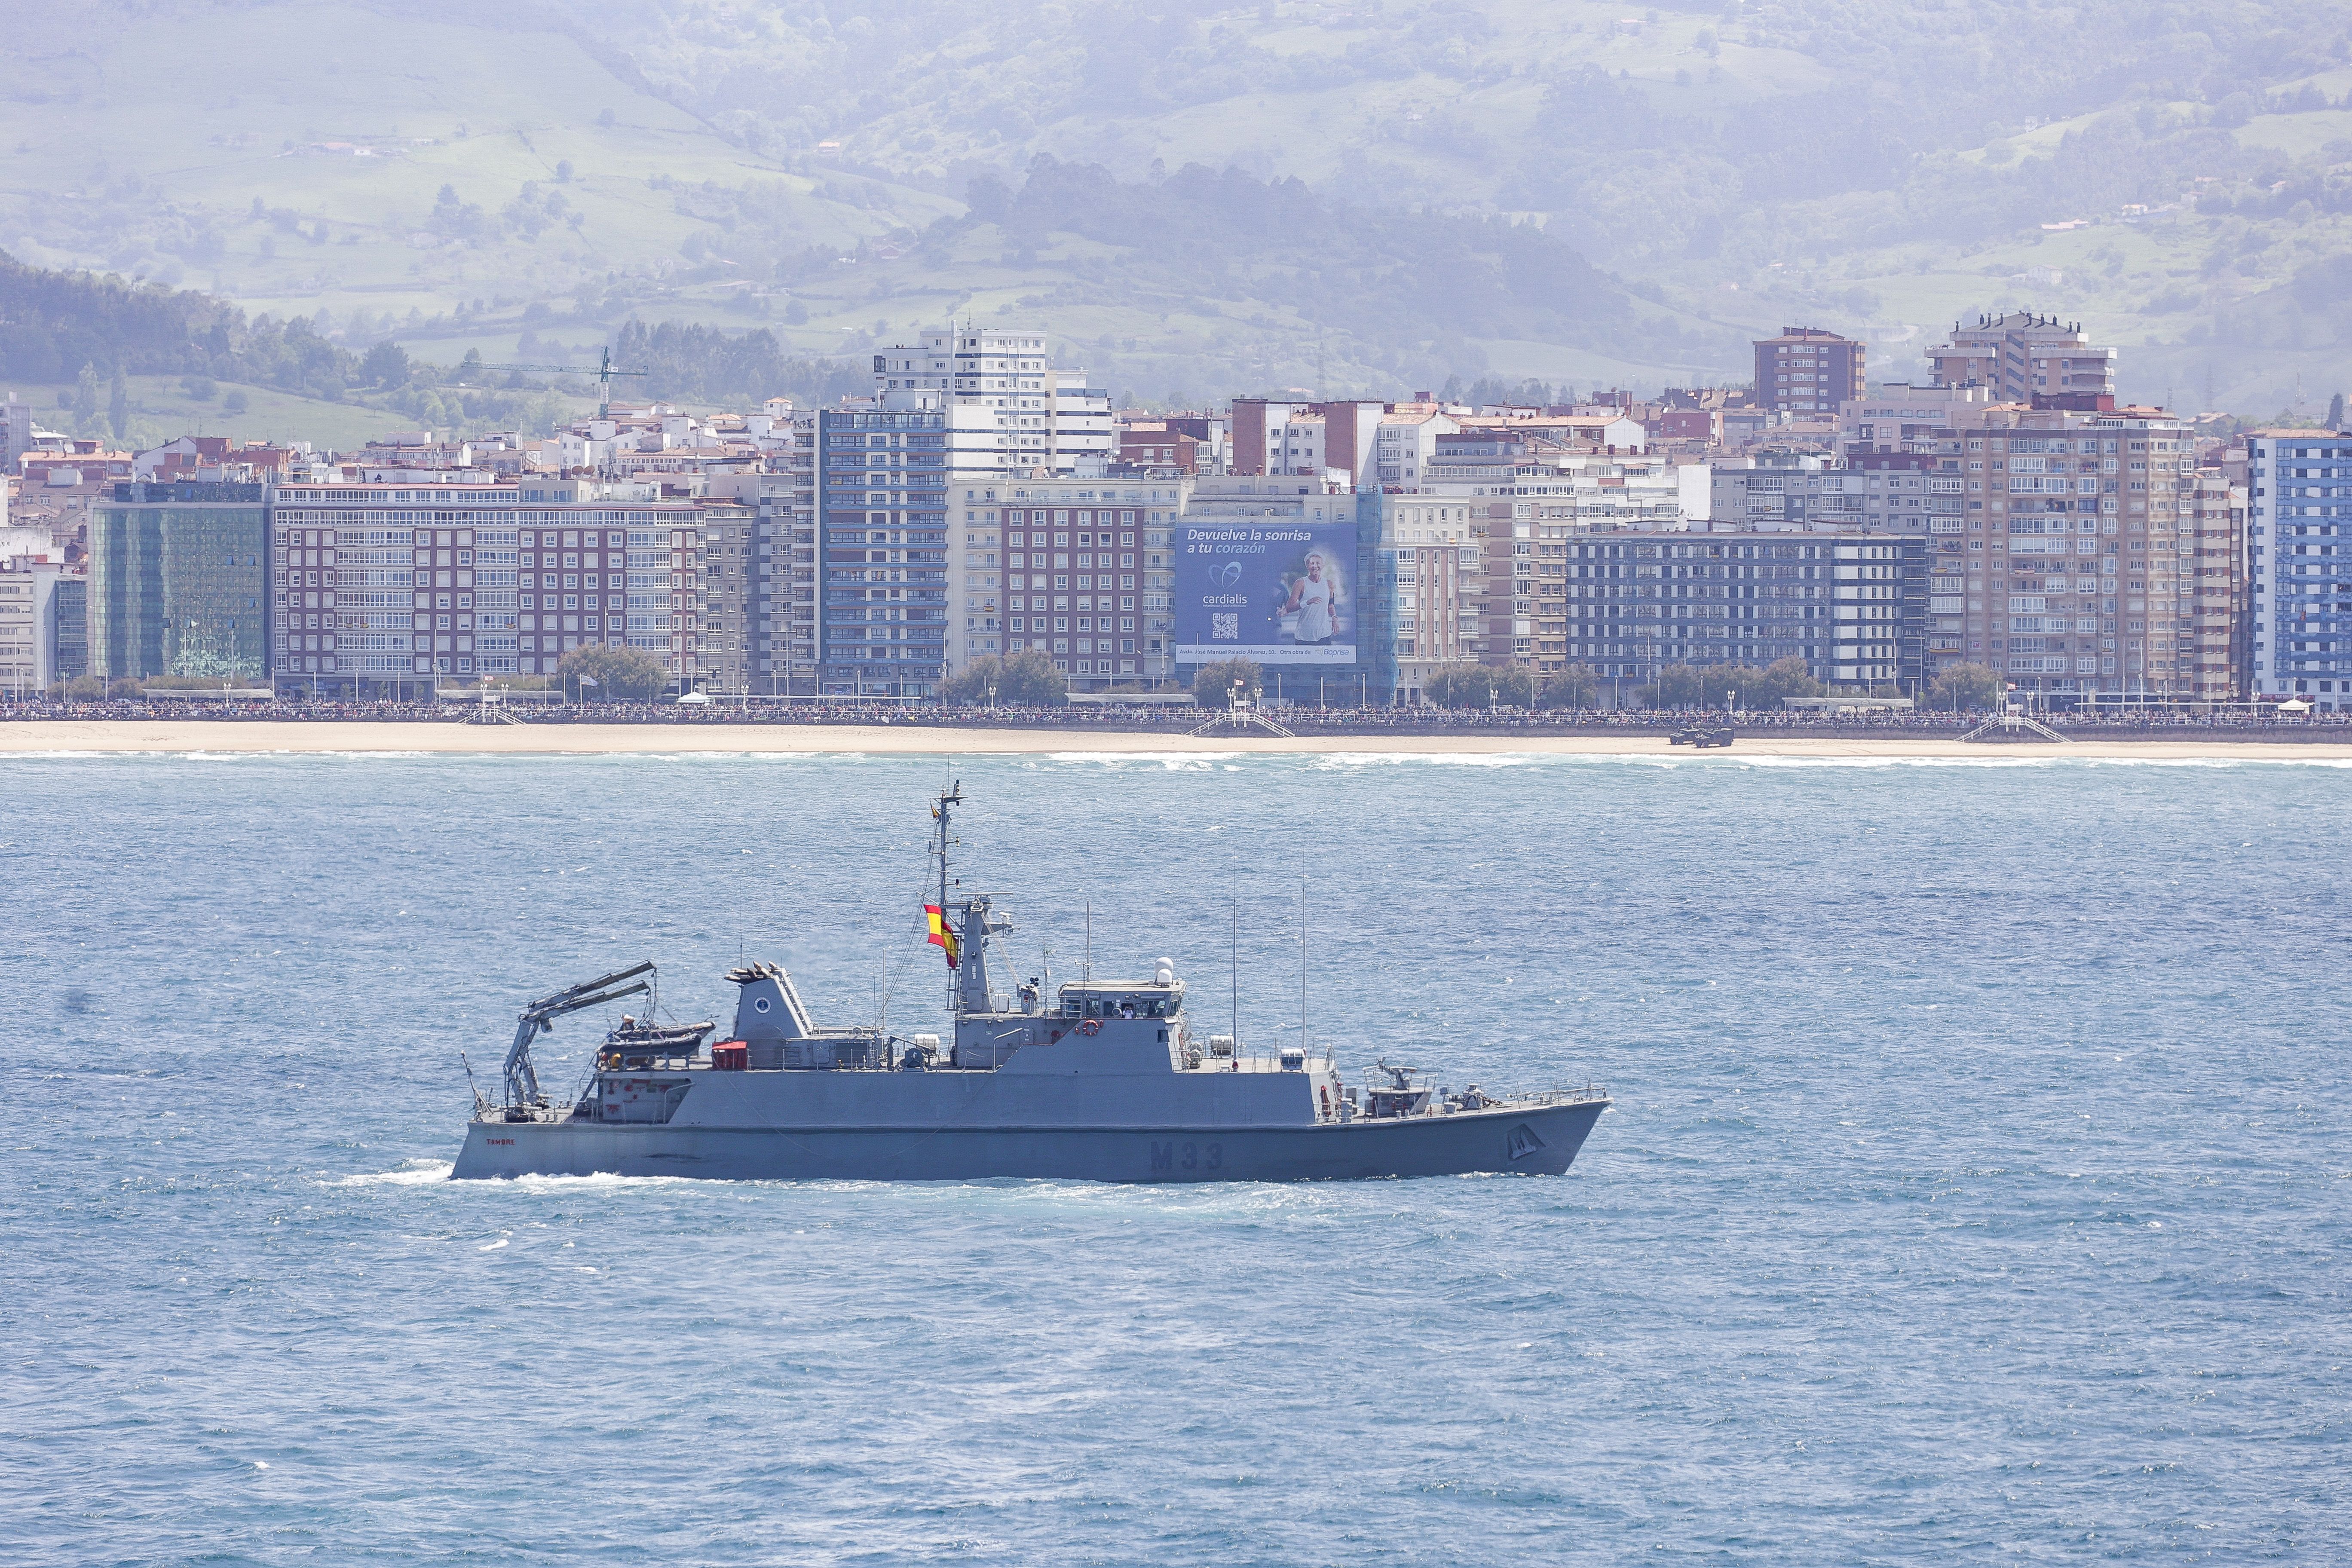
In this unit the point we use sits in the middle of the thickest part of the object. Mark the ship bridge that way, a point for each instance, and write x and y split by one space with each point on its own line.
1160 998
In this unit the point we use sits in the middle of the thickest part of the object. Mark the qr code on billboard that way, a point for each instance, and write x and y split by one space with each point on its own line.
1225 627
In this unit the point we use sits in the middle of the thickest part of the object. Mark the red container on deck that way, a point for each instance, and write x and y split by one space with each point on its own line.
730 1056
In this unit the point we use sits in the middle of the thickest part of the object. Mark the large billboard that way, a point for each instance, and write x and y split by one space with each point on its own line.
1278 593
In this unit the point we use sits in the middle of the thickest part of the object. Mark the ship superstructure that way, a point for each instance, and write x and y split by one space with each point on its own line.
1097 1079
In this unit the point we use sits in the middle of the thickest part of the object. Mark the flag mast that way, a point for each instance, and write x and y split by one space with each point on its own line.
952 797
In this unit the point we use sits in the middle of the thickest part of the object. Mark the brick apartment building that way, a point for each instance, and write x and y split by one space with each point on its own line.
1808 371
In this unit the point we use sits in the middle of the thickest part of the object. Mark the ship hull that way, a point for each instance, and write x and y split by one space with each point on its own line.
1527 1140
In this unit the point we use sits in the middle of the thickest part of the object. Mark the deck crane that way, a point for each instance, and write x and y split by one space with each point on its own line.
539 1018
603 370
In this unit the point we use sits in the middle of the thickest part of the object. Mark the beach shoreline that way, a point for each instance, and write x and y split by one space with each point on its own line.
268 737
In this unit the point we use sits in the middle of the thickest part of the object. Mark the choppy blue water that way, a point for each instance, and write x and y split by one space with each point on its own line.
1976 1190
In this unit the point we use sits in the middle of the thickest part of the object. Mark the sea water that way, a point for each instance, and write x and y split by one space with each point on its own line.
1975 1191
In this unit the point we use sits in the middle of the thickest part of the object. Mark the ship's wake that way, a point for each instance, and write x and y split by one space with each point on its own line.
408 1173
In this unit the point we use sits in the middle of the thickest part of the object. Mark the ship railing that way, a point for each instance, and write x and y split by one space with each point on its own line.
1589 1092
513 1114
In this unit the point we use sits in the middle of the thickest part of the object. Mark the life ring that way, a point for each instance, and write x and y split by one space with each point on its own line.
1091 1027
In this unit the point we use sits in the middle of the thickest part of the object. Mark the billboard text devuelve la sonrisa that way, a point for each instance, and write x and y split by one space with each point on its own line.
1274 592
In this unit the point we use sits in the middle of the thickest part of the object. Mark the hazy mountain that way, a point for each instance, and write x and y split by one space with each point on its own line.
1352 196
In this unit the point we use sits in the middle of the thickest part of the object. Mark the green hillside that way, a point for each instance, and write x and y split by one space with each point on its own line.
458 178
364 168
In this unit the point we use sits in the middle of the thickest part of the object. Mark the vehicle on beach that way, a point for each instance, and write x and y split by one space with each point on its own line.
1093 1080
1701 736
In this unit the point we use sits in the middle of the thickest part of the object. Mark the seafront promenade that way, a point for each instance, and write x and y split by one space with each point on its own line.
619 729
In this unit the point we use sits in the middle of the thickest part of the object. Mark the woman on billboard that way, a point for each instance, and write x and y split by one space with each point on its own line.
1315 600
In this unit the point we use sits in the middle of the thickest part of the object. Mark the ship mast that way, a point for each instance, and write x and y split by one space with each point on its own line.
952 797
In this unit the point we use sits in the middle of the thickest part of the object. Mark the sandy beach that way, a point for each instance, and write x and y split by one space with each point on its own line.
616 740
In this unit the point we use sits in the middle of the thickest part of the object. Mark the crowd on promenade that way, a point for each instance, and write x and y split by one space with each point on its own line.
1164 720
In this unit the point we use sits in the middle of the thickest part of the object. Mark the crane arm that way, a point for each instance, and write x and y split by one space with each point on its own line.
556 1004
521 1077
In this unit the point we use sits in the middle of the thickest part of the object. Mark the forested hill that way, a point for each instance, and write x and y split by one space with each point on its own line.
60 327
1347 194
54 323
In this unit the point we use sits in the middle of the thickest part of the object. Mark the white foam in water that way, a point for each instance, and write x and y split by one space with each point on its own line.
1432 759
414 1173
1172 760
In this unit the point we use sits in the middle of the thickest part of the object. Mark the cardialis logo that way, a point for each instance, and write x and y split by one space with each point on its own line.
1226 576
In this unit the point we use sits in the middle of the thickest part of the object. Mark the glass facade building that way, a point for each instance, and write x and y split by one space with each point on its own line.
179 582
73 627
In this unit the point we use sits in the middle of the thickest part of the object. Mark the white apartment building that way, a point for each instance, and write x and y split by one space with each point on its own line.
1406 442
1437 613
1011 409
1086 430
28 622
1308 440
1012 415
1590 490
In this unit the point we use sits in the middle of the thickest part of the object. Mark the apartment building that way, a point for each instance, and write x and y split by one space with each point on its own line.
733 607
1013 410
775 590
1150 445
1471 562
2298 510
1894 414
424 577
1078 569
28 622
1007 412
16 435
1261 439
1894 492
1406 441
2020 355
1808 371
1306 440
794 519
2073 573
1852 605
2219 628
1085 426
1431 573
1600 428
884 565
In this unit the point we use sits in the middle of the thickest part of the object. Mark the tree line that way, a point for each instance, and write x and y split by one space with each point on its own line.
92 332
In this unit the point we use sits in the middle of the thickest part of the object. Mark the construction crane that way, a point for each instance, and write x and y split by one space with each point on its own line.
603 370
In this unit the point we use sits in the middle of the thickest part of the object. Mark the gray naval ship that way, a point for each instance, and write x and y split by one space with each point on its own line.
1095 1080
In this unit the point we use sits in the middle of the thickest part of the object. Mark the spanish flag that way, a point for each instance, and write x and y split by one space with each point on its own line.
943 935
